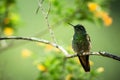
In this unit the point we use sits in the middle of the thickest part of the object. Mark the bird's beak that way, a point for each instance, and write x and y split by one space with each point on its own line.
71 24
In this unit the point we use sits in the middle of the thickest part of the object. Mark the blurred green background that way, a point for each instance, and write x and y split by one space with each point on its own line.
14 67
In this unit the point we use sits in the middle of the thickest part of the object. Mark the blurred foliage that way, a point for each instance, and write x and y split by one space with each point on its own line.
8 17
90 10
51 68
55 67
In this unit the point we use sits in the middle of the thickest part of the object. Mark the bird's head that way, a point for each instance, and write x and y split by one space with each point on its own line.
78 28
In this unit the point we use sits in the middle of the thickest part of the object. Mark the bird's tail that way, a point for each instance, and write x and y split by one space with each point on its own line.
84 60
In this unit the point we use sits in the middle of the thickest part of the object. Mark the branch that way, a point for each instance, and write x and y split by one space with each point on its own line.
67 55
46 14
37 40
104 54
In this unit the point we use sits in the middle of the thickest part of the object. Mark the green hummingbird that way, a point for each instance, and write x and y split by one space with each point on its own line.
81 44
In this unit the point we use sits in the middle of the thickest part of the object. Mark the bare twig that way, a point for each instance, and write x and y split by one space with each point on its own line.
39 7
38 34
67 55
104 54
37 40
46 14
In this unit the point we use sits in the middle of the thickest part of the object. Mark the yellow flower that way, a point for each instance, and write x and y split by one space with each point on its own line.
93 6
107 20
26 53
100 69
96 10
41 67
8 31
105 17
98 14
101 14
68 77
48 47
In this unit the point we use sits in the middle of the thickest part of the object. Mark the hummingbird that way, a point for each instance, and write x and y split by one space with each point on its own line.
81 44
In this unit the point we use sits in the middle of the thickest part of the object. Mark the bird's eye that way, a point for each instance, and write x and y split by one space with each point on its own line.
77 28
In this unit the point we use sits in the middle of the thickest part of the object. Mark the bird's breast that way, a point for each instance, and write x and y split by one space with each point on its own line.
80 44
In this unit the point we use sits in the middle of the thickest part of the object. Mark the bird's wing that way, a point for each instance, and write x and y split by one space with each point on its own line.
88 38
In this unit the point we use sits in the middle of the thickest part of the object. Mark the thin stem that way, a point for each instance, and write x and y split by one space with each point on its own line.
37 40
46 14
64 51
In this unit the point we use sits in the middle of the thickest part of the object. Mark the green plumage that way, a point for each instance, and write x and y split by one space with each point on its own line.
81 44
